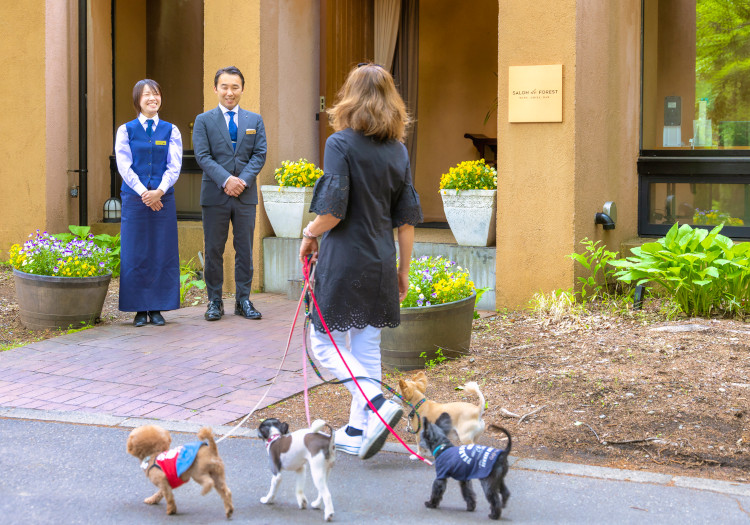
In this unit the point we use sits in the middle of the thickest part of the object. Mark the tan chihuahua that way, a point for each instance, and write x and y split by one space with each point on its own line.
466 418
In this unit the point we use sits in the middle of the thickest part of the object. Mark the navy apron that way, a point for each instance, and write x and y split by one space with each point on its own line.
149 255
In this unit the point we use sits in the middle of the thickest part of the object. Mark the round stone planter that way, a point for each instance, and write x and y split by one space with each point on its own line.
287 209
49 301
424 329
471 215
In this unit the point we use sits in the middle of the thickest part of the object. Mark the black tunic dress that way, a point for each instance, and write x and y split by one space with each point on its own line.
367 184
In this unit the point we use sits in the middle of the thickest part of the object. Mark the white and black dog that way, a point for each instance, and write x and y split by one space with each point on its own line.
465 463
293 452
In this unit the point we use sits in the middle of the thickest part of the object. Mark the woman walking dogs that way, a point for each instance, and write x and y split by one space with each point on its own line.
149 156
230 147
366 191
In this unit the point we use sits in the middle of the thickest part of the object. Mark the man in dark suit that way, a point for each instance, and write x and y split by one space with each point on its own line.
230 147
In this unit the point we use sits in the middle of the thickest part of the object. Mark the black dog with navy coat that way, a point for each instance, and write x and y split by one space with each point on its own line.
464 463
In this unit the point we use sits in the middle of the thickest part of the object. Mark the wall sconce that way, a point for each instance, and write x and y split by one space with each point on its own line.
607 217
112 210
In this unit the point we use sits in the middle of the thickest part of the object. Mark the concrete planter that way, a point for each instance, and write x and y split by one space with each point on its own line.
471 215
287 209
424 329
49 302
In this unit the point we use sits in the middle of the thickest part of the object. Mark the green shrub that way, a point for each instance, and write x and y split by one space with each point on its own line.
704 272
595 259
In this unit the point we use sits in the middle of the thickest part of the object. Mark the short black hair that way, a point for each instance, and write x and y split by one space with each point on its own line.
231 70
138 91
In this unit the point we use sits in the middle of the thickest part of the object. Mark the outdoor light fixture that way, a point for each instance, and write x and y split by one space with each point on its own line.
112 209
607 217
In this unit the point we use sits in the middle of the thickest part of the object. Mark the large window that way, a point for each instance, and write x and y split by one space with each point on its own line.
695 159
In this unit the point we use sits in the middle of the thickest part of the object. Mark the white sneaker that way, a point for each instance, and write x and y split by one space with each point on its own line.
346 443
376 432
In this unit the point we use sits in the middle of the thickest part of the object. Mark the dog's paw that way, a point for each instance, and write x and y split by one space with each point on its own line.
430 505
329 517
317 503
265 500
230 511
413 457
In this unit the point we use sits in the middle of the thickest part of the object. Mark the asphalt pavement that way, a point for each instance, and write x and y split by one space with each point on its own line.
67 468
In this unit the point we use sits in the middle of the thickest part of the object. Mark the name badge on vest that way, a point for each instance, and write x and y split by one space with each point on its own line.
249 132
161 142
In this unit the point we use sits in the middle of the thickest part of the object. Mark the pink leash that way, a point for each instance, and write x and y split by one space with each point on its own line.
306 272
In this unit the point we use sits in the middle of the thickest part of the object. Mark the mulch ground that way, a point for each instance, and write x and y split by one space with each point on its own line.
605 385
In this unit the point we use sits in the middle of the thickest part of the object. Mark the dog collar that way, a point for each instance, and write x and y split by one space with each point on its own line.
438 450
271 440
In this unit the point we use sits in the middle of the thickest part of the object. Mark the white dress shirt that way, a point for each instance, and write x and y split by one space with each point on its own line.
124 157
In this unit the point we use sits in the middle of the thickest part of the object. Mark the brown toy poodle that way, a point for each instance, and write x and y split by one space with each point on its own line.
168 469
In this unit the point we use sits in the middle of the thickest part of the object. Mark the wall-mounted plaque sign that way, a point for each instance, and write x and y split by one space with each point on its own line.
535 93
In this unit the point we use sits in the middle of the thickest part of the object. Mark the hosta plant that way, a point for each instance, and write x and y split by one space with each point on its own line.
704 272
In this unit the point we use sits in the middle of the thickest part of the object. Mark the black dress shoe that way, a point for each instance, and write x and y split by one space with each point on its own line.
156 318
141 319
246 309
215 310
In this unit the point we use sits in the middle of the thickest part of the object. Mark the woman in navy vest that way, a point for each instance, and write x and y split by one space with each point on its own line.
149 157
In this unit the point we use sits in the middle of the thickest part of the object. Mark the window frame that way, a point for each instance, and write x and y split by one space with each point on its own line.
705 166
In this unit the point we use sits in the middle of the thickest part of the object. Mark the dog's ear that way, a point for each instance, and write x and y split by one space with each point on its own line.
284 428
425 423
445 423
401 385
420 381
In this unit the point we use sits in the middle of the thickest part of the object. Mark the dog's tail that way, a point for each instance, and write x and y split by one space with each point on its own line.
472 386
501 429
205 434
317 425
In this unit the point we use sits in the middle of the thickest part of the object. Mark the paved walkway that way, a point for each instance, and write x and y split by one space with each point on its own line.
189 370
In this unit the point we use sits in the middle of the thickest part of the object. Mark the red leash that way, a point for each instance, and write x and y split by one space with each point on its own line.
306 272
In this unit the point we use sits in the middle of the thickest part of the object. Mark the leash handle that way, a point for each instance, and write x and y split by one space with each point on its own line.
306 271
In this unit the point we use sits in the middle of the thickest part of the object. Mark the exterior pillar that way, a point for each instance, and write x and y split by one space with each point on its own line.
231 37
554 177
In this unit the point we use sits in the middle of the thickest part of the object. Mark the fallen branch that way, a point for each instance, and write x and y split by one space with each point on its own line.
603 442
629 441
508 413
530 414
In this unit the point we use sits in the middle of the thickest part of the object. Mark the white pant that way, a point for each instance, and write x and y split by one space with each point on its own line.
362 354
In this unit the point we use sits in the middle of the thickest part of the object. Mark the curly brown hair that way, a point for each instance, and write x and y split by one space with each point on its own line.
369 102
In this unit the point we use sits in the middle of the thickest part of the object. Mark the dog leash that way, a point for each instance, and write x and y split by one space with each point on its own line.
278 371
308 321
306 273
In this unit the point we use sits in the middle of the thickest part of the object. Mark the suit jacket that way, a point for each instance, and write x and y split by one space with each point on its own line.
217 159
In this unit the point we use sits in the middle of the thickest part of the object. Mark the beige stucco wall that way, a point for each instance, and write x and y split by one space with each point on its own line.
288 88
553 177
457 85
536 161
130 50
23 133
607 119
99 90
242 50
61 100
